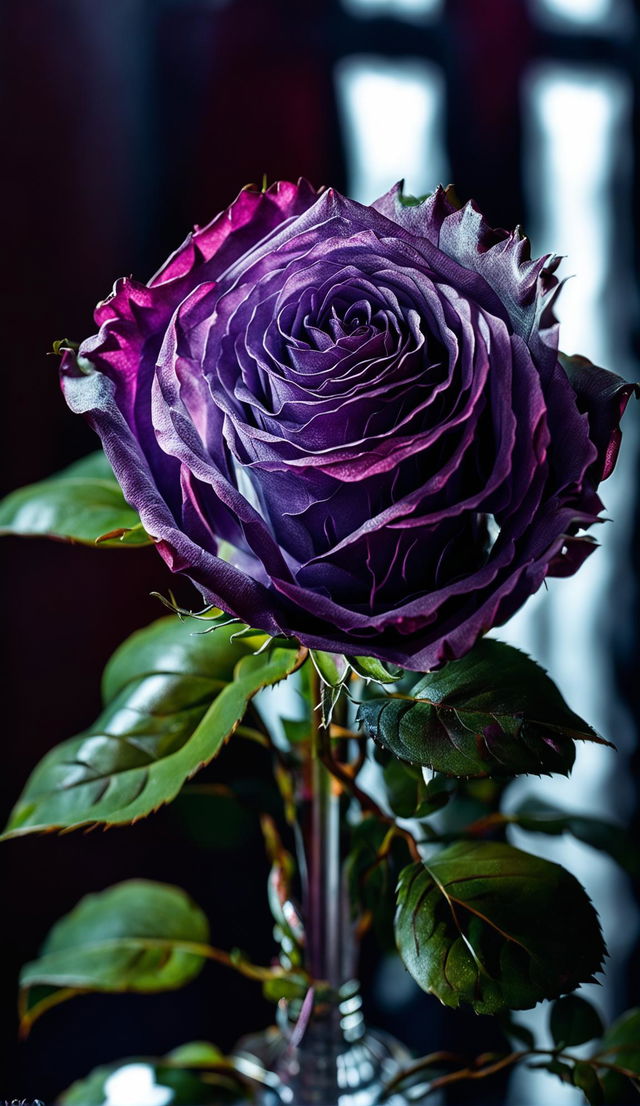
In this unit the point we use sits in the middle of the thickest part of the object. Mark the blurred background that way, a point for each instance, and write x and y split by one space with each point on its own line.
124 124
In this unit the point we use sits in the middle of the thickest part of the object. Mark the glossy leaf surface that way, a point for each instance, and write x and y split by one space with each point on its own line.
137 936
172 698
495 927
83 503
495 712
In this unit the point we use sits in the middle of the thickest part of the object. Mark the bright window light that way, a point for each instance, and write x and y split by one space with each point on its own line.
576 138
579 123
598 15
580 11
134 1085
392 114
400 9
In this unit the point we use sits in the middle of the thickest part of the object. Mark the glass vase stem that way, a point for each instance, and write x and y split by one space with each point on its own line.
326 1056
327 934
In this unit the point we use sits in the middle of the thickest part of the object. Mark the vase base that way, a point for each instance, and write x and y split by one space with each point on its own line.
321 1071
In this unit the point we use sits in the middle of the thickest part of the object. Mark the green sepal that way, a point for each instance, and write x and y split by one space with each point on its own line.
125 535
370 668
63 345
332 668
83 503
412 201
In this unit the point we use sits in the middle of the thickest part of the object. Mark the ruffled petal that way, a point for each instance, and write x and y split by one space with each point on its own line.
603 397
350 424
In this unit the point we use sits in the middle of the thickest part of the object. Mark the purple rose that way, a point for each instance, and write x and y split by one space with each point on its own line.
351 424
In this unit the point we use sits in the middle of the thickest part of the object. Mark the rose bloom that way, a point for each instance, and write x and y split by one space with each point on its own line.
351 424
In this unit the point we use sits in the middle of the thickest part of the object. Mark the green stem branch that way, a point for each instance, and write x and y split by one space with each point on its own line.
482 1071
366 801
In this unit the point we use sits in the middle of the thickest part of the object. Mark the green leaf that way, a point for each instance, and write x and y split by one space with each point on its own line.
364 867
621 1042
436 794
172 698
296 729
587 1080
495 712
196 1054
216 1083
573 1021
487 924
371 876
404 787
536 816
91 1091
290 987
137 936
83 503
620 1045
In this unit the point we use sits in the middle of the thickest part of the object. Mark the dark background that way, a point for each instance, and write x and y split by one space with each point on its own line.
124 123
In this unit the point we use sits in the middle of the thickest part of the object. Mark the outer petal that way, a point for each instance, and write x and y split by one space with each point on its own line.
93 395
526 288
604 397
133 318
253 216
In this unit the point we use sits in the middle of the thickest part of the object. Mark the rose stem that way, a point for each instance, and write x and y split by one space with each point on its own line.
347 778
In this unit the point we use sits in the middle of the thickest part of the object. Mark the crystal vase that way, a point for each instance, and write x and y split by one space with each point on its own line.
321 1053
